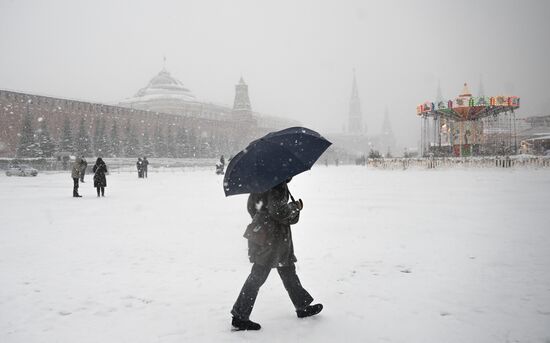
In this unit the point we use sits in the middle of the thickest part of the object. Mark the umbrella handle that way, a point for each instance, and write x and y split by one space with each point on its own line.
291 197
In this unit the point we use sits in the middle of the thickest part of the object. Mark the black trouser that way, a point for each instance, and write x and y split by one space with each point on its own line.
145 172
75 186
102 189
245 302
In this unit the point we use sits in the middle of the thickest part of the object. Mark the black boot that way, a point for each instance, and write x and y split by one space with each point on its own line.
309 311
239 325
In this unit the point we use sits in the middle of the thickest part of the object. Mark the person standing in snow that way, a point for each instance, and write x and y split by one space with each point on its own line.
83 167
75 174
139 166
270 246
100 181
145 165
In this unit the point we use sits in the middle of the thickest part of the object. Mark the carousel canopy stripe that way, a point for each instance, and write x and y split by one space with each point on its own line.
468 104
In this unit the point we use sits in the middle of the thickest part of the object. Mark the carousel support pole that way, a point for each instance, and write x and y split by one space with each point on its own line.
460 137
495 132
426 134
510 129
435 130
515 134
421 136
450 129
439 132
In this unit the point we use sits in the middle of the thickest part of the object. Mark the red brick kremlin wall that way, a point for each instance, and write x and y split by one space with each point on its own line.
14 105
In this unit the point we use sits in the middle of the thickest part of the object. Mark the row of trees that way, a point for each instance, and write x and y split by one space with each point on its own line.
114 141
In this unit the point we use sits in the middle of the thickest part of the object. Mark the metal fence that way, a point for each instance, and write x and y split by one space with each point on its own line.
461 162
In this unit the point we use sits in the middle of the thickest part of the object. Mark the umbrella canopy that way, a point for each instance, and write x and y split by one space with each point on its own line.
272 159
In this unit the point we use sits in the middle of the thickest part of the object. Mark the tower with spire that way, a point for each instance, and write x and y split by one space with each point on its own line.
355 124
241 105
243 119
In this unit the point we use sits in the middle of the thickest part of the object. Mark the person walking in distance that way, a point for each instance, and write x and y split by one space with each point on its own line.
100 180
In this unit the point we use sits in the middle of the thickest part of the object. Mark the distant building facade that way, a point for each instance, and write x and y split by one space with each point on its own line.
163 119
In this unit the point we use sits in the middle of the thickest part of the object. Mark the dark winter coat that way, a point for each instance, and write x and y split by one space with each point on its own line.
100 169
83 166
277 215
76 169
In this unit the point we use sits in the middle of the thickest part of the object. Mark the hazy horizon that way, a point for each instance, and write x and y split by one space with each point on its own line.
296 57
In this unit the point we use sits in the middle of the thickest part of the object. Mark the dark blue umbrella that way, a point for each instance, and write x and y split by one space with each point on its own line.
272 159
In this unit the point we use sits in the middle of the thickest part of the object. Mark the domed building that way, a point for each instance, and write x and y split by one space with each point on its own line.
166 94
163 119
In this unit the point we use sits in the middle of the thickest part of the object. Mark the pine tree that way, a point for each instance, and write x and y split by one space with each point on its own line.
44 142
374 154
97 138
181 142
170 146
147 145
131 142
160 143
115 141
66 140
82 140
193 144
103 147
26 146
100 140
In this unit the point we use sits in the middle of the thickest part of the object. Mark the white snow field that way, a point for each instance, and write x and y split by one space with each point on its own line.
394 256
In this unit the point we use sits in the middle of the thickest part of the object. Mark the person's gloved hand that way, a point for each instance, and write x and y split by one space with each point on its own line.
300 204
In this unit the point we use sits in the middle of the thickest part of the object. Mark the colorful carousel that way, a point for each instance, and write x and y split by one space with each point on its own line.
468 125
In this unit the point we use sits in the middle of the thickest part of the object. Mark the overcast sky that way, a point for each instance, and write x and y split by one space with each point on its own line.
296 56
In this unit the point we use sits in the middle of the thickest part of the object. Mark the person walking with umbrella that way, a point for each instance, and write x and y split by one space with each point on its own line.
100 181
264 169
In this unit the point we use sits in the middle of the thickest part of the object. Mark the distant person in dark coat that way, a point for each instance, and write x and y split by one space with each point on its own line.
145 165
83 167
271 248
100 181
139 166
220 166
75 174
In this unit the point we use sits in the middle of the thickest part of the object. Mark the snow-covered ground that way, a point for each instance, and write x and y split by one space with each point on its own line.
395 256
